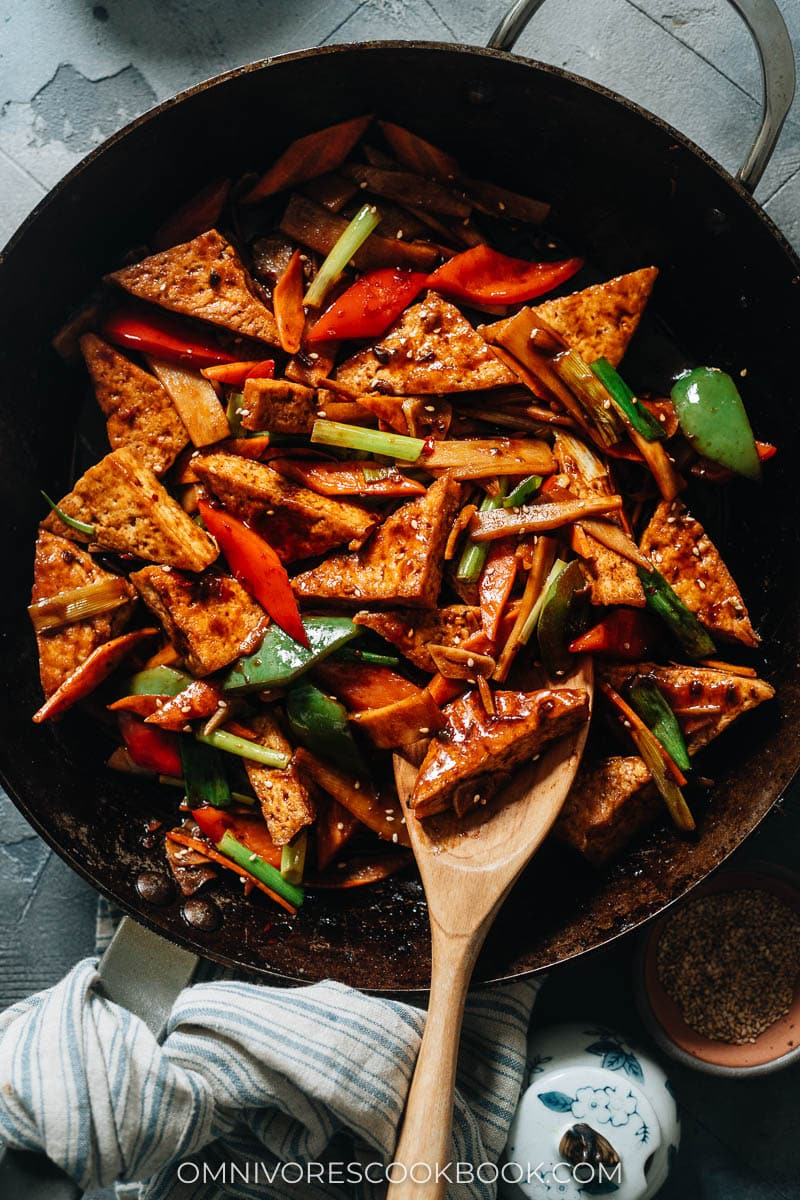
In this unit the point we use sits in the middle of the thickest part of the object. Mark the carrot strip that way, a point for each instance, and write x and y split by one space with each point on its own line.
632 720
287 303
91 673
183 839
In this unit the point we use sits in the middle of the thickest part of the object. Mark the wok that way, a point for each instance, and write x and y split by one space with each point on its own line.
627 190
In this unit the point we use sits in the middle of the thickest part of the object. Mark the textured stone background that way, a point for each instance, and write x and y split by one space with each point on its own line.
71 73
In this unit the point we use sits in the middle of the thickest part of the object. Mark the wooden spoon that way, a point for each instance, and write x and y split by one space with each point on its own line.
468 866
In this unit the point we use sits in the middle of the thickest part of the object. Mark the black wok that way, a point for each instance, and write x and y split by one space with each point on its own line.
627 190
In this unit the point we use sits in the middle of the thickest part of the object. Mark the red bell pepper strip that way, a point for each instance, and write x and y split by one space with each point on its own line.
235 373
629 634
162 337
257 567
370 306
150 747
496 582
712 472
346 478
484 276
214 823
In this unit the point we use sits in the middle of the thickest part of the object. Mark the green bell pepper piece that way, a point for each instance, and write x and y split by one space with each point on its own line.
204 774
555 630
650 703
713 419
280 659
681 621
320 723
157 681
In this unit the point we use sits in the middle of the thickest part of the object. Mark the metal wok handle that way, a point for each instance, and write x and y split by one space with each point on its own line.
768 30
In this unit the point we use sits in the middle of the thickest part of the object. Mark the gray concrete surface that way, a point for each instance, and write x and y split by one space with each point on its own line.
71 73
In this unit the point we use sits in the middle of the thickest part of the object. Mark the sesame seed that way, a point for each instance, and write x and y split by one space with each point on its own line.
399 233
395 838
363 184
424 729
701 585
356 784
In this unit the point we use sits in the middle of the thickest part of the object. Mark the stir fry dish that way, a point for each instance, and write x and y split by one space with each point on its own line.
370 493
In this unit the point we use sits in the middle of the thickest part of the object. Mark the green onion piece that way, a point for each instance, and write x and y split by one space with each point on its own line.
244 748
650 703
681 621
474 555
374 441
293 858
157 681
648 747
72 522
363 223
79 604
244 798
367 656
533 616
234 414
626 402
204 774
523 491
591 395
237 852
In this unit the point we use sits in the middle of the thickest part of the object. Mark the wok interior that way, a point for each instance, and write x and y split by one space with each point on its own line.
625 193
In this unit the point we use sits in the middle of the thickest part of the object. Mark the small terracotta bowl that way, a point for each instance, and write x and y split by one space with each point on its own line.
775 1048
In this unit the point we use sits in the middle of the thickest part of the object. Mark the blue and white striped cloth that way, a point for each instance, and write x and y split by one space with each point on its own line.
255 1091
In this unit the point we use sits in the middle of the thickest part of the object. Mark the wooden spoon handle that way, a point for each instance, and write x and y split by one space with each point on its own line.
425 1137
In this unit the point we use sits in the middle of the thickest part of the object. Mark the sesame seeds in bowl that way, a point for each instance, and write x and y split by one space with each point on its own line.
718 977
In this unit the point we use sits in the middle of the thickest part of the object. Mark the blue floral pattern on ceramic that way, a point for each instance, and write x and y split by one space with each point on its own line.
600 1106
616 1054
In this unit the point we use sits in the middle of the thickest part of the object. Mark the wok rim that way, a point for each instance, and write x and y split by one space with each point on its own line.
86 163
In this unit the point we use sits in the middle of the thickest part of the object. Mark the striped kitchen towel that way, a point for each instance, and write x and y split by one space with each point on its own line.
255 1091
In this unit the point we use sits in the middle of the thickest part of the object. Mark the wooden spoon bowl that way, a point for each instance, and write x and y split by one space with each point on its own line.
468 866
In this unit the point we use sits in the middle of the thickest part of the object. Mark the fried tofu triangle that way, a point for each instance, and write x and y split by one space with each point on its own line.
284 799
139 411
412 631
133 514
61 566
687 558
401 563
602 319
209 618
202 278
297 522
475 754
431 349
613 800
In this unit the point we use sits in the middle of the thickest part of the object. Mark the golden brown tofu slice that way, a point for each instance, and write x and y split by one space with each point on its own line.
706 700
431 349
609 803
401 563
140 413
278 405
209 618
202 278
683 552
472 758
612 579
285 801
133 514
59 566
297 522
412 631
602 319
612 801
